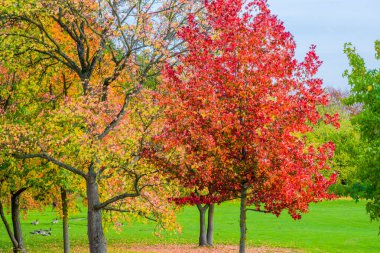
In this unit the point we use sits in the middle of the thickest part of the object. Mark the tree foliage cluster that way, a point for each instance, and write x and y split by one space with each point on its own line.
365 90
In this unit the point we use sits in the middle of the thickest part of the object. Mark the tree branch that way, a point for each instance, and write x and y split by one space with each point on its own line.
116 198
53 160
202 208
19 191
129 211
255 210
121 113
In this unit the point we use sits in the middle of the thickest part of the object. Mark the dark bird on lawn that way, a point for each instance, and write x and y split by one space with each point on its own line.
45 232
35 223
55 221
35 232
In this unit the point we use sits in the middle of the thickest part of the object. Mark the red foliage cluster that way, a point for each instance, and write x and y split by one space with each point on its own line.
237 106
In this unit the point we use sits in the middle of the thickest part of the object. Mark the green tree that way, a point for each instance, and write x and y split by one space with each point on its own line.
348 147
365 90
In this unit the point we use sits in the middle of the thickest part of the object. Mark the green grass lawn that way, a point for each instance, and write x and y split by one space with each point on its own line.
334 226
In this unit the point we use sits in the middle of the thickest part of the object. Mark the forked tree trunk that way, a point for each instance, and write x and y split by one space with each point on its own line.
202 225
210 225
95 232
243 219
15 209
65 221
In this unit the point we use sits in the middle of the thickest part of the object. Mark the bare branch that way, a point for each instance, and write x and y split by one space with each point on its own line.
116 198
19 191
121 113
53 160
129 211
257 210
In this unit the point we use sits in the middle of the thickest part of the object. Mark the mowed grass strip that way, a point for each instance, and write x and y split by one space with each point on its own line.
330 226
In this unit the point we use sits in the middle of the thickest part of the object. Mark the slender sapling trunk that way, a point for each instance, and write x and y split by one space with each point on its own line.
65 221
243 219
202 225
8 228
210 225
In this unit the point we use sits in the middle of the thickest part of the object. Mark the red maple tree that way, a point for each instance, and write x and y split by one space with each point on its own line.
237 106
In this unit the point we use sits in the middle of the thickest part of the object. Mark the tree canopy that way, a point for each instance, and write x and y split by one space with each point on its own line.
365 90
237 107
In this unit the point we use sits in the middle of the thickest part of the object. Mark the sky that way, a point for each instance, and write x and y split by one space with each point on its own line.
329 24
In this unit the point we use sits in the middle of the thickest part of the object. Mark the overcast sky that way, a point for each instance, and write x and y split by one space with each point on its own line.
329 24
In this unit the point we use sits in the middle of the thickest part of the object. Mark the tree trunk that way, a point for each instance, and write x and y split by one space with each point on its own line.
7 227
95 233
85 83
15 209
202 225
210 225
65 221
243 219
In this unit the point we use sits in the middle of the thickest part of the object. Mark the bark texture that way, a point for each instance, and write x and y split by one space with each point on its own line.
210 225
243 219
202 225
65 221
17 231
95 232
7 227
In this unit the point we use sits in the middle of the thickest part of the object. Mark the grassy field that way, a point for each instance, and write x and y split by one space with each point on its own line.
335 226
